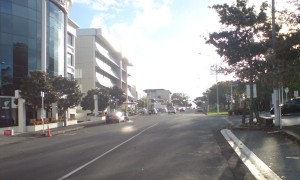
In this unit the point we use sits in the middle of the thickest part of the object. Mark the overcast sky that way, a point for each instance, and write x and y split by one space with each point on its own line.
162 38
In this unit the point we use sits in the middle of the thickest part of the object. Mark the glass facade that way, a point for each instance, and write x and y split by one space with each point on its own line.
21 41
55 40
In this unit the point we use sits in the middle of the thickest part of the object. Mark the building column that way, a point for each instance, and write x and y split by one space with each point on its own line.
22 115
96 111
54 112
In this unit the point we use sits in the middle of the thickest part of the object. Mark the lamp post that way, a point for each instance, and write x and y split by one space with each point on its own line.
276 91
217 84
43 112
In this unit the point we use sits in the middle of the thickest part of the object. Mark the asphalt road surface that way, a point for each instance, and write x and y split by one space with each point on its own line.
177 146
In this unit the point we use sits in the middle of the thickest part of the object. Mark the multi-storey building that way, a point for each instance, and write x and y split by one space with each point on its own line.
34 35
160 95
70 56
98 63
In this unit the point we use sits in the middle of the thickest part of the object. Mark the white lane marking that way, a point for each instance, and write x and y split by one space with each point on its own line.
292 157
102 155
257 167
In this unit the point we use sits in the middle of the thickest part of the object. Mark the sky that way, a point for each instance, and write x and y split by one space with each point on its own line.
163 39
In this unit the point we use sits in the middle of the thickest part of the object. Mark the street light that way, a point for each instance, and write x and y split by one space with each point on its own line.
216 70
276 93
217 84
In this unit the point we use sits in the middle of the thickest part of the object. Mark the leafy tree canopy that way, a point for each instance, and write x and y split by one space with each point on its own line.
105 96
68 92
240 42
32 86
56 89
180 99
87 102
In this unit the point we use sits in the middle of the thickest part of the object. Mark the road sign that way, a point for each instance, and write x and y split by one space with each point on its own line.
296 93
286 90
43 113
248 91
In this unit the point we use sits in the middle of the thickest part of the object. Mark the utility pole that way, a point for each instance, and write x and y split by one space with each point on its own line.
275 90
216 69
218 108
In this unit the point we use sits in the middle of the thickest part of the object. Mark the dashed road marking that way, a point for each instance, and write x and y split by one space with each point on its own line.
107 152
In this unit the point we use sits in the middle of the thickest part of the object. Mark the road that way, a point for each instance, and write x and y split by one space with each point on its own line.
181 146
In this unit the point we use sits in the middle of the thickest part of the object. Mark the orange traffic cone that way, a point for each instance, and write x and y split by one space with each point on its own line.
48 132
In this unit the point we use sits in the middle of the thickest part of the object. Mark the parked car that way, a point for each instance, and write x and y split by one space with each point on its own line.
199 109
162 110
152 111
115 117
290 107
181 109
171 109
142 111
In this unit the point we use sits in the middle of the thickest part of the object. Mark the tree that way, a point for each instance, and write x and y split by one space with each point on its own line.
54 89
31 88
200 101
142 103
87 102
67 92
117 95
240 42
180 99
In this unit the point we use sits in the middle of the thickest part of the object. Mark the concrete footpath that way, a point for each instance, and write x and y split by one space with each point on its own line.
19 137
268 152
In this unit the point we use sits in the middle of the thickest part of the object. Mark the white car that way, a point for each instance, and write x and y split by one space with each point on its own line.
171 109
199 109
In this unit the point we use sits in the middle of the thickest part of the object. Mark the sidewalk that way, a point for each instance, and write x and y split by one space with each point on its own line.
19 137
269 152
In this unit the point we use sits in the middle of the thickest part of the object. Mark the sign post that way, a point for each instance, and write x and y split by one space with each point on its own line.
286 90
231 95
43 112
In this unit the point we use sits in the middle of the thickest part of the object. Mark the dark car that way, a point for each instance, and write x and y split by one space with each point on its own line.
181 109
115 117
290 107
152 111
142 111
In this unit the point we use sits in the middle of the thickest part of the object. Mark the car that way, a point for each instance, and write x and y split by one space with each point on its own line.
182 109
115 117
290 107
162 110
199 109
142 111
152 111
171 109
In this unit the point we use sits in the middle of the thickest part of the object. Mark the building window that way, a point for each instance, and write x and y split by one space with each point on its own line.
70 39
70 76
70 59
